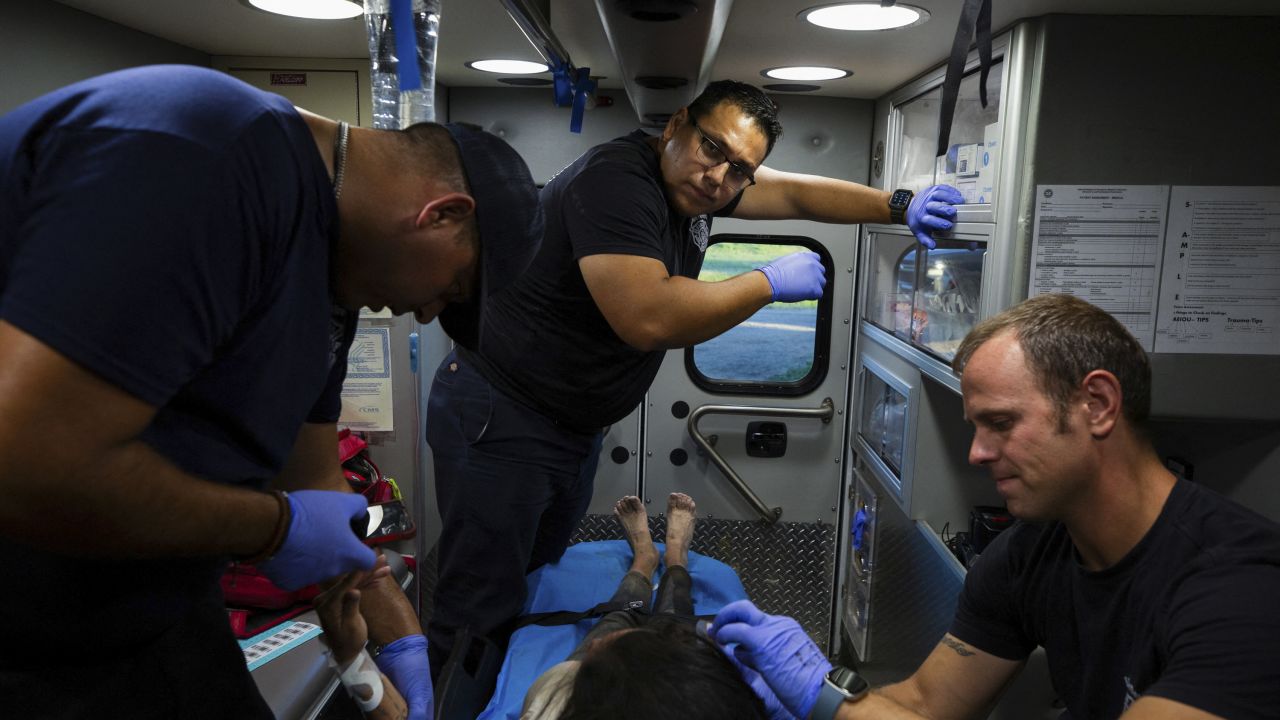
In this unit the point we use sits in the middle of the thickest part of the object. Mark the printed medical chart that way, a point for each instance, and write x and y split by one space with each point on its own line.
1102 243
1220 288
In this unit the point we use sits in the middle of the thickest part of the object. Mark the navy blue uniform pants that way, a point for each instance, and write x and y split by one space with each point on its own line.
511 485
675 598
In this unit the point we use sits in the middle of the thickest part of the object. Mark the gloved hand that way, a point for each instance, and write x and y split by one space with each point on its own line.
405 663
933 209
779 649
794 277
320 543
772 704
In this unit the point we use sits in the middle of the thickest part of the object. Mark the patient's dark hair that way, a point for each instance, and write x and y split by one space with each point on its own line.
662 670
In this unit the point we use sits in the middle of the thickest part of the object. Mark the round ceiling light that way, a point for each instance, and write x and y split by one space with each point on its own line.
805 73
311 9
526 81
865 16
508 67
792 87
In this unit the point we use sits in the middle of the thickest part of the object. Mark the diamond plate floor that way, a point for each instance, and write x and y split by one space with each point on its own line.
787 568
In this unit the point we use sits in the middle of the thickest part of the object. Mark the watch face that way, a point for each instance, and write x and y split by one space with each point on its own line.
898 203
853 684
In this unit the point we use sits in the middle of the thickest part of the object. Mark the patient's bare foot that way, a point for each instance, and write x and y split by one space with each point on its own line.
681 515
635 525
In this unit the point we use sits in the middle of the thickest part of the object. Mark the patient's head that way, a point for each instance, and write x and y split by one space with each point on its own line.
660 670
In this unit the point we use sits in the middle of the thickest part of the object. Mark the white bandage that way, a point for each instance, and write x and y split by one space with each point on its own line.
361 679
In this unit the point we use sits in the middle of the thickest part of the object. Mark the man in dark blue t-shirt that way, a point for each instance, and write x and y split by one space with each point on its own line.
515 418
1152 597
182 262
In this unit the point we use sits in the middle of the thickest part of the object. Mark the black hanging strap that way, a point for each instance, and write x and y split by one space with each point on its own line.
569 617
976 13
984 49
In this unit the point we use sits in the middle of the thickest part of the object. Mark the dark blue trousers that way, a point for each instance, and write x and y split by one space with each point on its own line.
511 485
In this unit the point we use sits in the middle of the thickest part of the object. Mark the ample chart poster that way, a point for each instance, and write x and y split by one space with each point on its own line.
1102 243
1188 269
1220 288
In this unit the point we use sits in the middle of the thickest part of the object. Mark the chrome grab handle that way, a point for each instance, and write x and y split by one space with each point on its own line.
823 412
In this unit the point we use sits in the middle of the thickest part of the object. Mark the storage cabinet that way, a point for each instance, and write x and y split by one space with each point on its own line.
972 158
887 398
863 519
930 298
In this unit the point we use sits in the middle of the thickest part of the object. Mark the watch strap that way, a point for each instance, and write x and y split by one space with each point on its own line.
828 703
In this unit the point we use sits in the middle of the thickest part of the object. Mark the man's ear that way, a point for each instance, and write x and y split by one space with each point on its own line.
448 208
674 123
1104 399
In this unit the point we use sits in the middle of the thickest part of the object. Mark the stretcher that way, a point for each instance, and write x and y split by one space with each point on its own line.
586 576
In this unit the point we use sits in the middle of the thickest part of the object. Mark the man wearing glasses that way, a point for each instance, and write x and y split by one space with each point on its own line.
516 412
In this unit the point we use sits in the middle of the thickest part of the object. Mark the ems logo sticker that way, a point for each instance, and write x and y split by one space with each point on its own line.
698 232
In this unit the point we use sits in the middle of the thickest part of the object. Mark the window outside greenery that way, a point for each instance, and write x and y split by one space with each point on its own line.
774 345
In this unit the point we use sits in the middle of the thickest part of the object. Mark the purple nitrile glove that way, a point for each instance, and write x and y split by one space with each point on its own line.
320 543
772 705
779 649
795 277
405 663
933 210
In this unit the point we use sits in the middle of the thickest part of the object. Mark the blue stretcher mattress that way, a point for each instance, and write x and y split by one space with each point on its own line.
587 575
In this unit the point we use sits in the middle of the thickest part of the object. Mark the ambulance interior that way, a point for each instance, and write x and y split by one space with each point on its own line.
826 445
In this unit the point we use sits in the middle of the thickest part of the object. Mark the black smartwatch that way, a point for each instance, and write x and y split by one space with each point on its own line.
841 686
899 201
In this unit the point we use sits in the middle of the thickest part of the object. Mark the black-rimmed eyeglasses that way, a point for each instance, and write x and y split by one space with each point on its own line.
738 176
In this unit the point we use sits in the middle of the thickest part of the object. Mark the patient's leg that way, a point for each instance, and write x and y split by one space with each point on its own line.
637 584
635 525
675 592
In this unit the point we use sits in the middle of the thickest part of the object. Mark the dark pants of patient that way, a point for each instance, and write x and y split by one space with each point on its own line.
674 598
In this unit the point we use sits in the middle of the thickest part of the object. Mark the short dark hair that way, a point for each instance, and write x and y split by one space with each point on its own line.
660 670
1064 338
434 152
751 100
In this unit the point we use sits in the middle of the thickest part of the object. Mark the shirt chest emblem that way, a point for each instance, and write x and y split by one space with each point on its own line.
699 232
1131 695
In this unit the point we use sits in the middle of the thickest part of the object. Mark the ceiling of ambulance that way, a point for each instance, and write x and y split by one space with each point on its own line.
753 35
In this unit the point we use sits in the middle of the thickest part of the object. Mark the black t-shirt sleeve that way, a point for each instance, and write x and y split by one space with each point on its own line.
614 208
329 405
1224 636
128 262
987 615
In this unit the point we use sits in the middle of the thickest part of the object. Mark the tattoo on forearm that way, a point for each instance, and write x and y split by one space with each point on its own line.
958 646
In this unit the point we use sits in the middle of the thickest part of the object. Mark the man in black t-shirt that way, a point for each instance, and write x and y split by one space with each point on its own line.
183 259
1152 597
516 415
